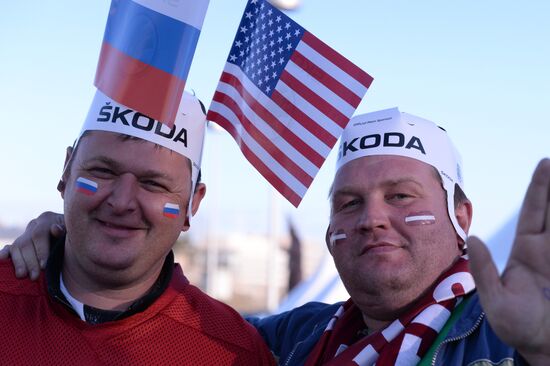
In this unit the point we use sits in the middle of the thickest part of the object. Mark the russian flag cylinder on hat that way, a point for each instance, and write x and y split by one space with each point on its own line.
185 137
147 50
390 132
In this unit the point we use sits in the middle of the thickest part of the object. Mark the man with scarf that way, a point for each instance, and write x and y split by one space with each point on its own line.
397 233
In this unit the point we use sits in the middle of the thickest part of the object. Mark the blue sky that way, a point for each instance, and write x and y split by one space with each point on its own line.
477 68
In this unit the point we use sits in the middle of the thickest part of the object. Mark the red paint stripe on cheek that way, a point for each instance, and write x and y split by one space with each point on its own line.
85 191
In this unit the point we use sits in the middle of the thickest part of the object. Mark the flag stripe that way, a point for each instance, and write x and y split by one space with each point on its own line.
305 141
191 12
252 132
302 168
290 181
324 93
86 182
151 91
298 101
172 210
151 37
310 124
172 205
85 190
267 173
259 107
329 67
314 99
337 59
326 79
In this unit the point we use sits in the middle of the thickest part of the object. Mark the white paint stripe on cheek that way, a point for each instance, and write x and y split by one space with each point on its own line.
420 218
336 236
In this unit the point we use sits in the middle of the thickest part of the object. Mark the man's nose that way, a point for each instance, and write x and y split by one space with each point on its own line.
122 198
374 215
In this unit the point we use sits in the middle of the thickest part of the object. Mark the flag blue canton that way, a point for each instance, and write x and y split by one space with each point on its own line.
265 40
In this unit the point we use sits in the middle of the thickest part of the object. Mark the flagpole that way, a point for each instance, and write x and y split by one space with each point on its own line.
273 251
212 248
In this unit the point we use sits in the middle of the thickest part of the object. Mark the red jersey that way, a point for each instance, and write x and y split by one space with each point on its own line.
184 326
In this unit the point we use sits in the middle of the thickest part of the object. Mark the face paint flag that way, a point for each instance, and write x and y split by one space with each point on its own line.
171 210
146 54
86 186
285 97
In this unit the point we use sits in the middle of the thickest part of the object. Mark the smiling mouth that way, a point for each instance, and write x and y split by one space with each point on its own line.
378 248
114 226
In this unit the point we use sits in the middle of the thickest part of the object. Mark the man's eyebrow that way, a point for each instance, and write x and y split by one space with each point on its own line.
395 182
344 191
150 173
349 190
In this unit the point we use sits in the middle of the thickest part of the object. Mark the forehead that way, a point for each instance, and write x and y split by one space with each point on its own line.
131 153
383 169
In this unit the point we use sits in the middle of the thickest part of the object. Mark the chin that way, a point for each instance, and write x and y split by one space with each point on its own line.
111 263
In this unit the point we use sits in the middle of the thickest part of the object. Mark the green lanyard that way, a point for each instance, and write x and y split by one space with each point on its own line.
427 360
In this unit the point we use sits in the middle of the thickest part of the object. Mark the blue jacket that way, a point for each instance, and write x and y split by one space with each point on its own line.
292 335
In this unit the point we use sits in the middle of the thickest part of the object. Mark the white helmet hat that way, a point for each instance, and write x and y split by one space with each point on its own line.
390 132
186 137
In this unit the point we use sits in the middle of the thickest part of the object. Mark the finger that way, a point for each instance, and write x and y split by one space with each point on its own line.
31 261
483 269
25 254
59 219
57 230
5 252
534 216
18 262
47 225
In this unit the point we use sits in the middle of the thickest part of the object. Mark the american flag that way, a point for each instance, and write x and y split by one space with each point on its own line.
285 97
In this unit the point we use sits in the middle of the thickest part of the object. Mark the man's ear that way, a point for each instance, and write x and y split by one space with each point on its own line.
198 195
463 213
65 174
327 240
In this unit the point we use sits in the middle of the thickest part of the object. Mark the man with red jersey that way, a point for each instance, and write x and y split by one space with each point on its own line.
111 292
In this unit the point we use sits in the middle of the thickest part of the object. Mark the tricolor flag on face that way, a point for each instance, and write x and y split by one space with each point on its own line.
171 210
86 186
285 97
146 53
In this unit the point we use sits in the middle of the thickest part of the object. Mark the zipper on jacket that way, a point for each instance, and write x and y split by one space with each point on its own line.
457 338
292 353
298 344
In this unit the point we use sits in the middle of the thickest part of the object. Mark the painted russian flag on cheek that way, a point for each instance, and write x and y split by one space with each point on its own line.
86 186
171 210
146 53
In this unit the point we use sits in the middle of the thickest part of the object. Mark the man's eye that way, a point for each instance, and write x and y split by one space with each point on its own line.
152 184
398 196
349 203
101 172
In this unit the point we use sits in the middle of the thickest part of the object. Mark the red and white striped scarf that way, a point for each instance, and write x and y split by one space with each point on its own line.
406 340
